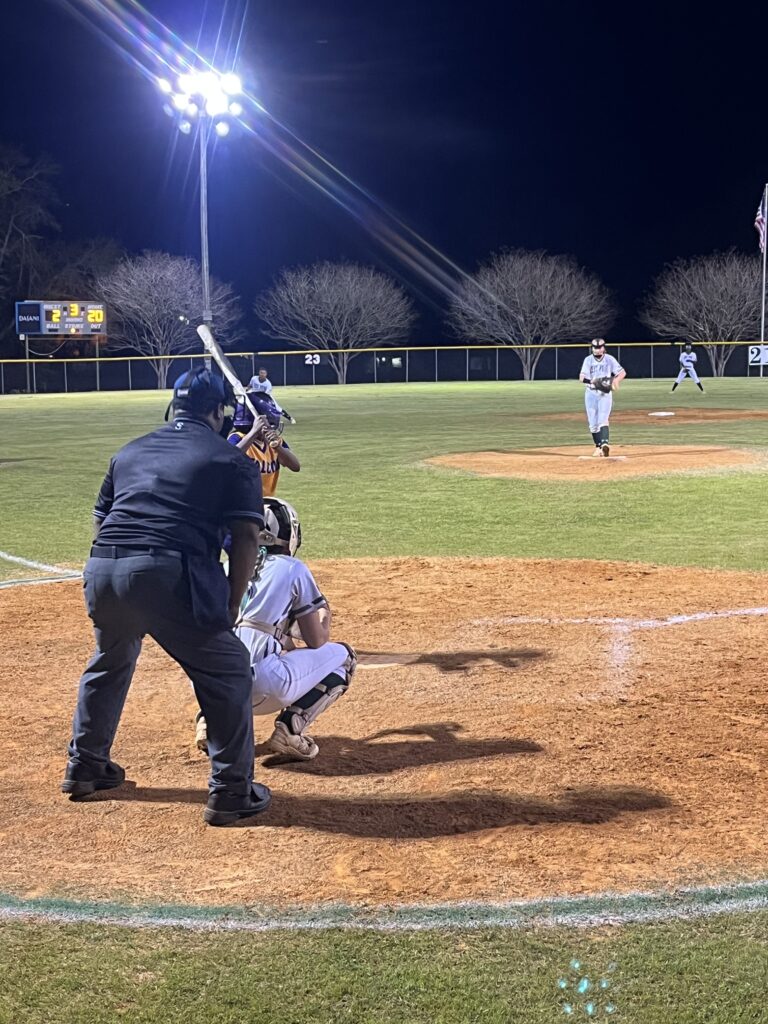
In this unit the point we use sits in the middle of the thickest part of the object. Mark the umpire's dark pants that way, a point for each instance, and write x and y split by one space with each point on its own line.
149 593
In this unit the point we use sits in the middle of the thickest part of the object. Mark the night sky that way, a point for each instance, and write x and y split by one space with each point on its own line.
625 134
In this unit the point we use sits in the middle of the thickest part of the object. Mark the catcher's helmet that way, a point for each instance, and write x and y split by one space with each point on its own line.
282 528
264 406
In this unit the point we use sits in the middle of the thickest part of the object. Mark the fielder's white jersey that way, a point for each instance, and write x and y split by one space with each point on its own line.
605 367
285 591
261 385
687 360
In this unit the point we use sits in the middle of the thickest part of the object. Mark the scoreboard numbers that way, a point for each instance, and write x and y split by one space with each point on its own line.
47 317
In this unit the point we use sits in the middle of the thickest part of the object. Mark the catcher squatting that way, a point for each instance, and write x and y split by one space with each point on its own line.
283 604
602 374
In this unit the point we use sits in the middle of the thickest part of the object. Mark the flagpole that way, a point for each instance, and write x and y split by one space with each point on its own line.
765 249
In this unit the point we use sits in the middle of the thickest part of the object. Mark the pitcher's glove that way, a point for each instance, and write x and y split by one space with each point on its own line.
604 384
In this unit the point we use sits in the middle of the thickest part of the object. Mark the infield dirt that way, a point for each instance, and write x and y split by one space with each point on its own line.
532 753
577 462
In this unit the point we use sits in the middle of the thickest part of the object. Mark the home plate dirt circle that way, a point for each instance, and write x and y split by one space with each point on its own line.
553 727
577 462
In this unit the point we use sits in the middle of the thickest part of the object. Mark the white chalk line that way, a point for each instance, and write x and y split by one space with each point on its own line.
60 572
629 623
593 911
621 647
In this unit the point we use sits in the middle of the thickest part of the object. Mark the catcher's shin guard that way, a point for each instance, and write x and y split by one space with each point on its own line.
303 712
290 737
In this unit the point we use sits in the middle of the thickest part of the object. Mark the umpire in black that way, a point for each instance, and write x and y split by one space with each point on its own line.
160 519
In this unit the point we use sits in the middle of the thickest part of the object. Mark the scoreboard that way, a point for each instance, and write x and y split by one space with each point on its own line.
41 317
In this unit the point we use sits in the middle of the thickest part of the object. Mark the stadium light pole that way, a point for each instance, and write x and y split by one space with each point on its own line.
211 100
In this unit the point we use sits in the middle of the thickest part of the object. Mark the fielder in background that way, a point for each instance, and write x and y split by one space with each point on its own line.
263 384
688 362
602 375
283 603
262 441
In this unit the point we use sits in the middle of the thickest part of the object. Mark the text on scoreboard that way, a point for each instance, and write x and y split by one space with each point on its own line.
43 317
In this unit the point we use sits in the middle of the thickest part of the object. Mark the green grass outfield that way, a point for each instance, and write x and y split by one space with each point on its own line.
363 491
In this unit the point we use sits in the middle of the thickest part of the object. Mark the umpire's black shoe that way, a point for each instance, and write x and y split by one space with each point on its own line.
82 779
227 808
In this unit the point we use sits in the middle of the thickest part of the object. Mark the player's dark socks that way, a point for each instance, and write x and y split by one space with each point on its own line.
700 387
604 435
674 386
596 438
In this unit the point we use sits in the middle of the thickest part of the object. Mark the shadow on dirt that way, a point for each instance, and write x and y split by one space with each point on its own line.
450 661
439 743
461 813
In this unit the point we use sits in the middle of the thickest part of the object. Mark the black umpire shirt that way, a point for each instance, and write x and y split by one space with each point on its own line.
177 488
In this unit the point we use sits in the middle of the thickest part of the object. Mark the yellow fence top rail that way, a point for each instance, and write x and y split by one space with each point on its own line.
362 351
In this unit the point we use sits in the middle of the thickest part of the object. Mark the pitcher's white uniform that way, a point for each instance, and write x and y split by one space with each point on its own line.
284 591
256 384
598 404
688 362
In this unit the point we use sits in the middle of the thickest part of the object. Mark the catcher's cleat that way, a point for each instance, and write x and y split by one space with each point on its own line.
201 733
597 453
605 449
82 780
299 747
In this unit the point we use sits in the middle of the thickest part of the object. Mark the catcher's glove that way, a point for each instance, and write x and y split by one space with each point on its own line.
603 384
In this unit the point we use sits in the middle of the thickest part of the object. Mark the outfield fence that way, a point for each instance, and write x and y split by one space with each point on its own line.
368 366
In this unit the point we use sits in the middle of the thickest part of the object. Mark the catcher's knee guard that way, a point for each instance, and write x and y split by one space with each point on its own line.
303 712
350 664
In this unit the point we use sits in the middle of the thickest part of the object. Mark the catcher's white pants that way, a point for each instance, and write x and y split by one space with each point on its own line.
690 373
598 405
280 679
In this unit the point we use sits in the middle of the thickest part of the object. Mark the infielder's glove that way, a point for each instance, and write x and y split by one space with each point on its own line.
603 384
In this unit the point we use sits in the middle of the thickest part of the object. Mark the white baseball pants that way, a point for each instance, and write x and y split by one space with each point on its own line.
280 679
690 373
598 406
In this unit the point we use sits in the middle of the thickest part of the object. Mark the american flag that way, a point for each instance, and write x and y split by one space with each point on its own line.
760 222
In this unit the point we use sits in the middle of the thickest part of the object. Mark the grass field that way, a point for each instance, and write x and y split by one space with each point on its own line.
363 491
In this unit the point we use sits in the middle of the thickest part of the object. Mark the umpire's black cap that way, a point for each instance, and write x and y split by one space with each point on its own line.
201 390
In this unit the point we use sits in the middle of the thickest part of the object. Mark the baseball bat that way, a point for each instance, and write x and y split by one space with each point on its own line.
212 346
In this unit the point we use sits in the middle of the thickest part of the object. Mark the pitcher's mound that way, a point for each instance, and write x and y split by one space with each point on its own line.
576 462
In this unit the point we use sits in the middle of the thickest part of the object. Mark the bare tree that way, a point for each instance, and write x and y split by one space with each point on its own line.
68 270
707 299
522 298
154 301
27 199
336 306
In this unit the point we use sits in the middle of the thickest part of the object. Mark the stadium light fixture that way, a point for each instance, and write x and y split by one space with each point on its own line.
210 99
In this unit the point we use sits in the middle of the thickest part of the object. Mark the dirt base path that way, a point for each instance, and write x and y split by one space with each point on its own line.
592 744
577 462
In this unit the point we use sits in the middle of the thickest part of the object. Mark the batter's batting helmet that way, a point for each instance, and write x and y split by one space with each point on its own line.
282 528
264 406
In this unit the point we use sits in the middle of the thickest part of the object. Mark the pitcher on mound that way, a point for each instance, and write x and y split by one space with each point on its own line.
602 374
